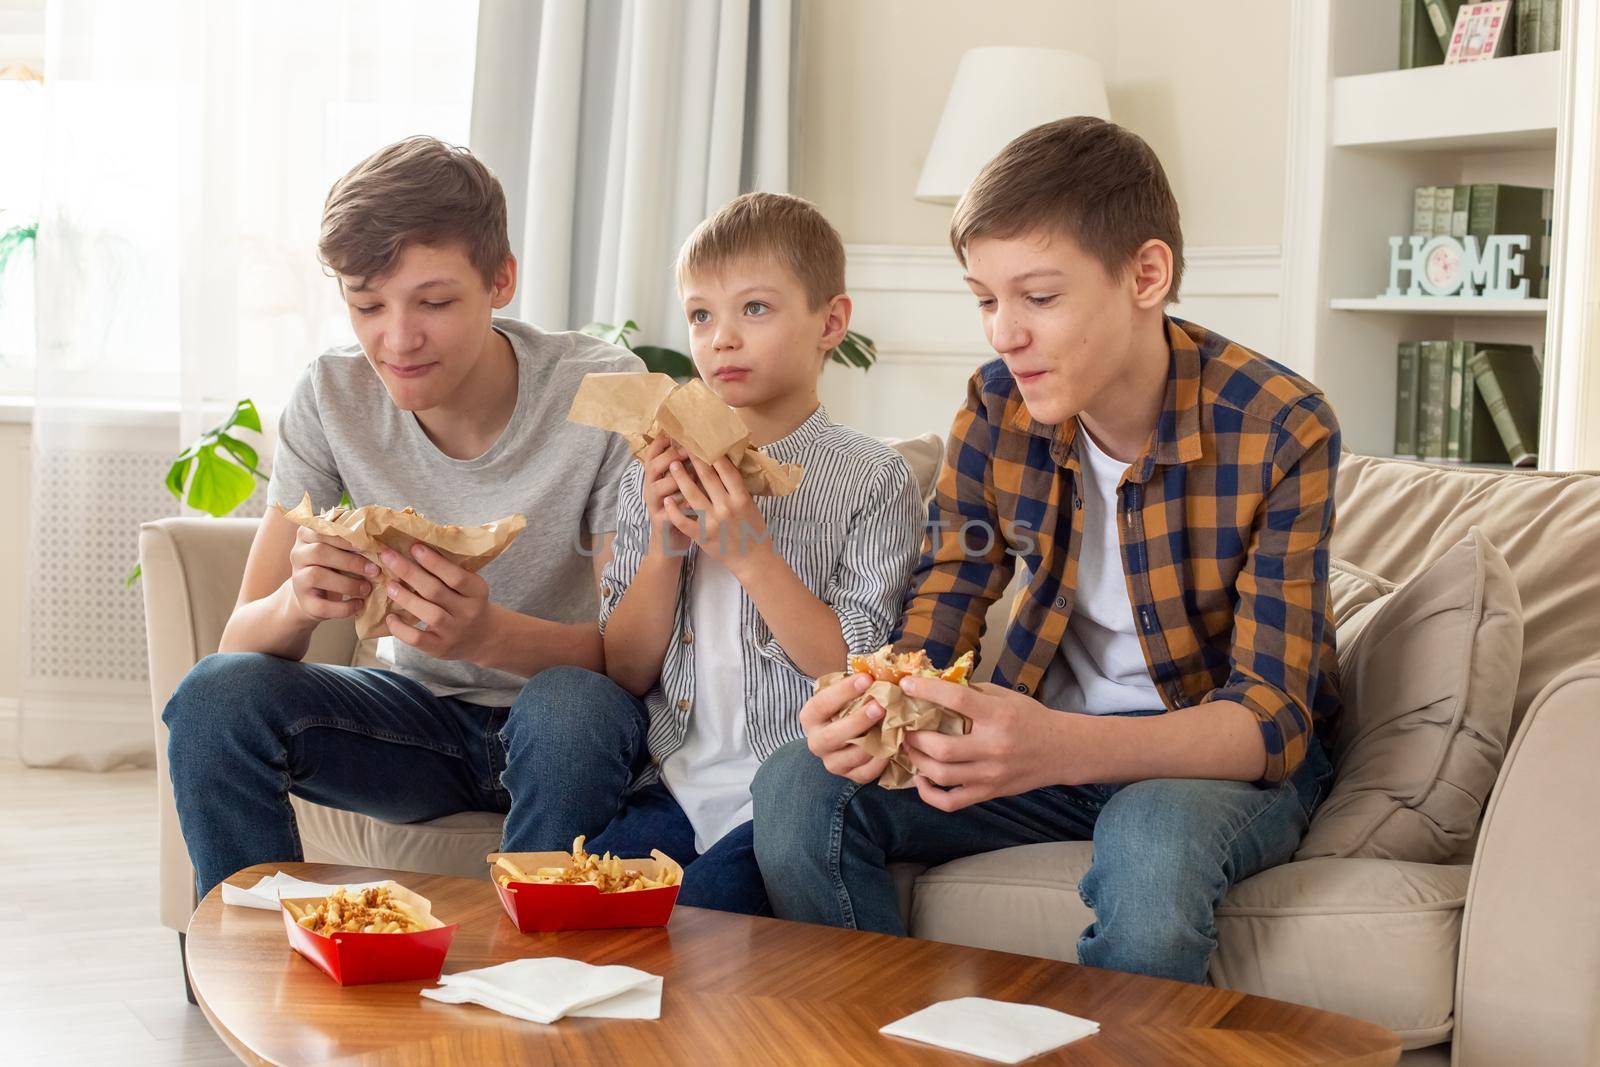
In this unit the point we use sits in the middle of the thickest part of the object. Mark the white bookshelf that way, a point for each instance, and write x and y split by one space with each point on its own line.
1452 306
1509 104
1362 136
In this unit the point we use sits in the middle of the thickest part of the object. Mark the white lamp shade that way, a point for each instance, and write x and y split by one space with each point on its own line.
998 94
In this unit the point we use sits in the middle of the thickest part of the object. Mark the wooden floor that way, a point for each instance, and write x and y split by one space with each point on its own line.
87 973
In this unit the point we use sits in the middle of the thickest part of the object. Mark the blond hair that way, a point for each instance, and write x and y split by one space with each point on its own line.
416 191
787 229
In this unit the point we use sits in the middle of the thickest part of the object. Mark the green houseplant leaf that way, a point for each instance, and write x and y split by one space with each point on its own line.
856 350
667 361
617 335
218 471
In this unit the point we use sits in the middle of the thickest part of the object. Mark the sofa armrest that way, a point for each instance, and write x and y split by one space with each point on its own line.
1530 942
191 570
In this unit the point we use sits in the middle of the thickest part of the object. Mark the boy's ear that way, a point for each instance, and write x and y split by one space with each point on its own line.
837 323
1151 274
505 283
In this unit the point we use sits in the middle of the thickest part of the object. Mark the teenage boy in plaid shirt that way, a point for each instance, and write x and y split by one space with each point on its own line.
1167 682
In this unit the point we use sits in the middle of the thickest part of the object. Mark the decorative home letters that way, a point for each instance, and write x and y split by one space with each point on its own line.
1448 266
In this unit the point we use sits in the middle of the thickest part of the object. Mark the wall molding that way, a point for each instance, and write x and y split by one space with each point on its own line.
903 269
1216 270
924 284
911 301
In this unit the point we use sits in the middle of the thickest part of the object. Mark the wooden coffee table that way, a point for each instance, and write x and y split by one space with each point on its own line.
738 990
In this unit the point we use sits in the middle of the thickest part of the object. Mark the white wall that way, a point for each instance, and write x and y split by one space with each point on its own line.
1204 83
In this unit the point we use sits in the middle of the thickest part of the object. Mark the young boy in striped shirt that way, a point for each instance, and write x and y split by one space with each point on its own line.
718 609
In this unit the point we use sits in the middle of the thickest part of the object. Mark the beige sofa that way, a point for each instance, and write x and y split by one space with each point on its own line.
1491 959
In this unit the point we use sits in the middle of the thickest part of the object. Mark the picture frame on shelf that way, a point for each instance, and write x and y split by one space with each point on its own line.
1446 265
1482 31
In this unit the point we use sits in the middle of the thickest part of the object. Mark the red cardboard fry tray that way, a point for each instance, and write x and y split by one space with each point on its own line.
360 959
541 907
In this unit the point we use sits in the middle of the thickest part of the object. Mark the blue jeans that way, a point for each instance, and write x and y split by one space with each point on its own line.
1165 850
577 741
246 730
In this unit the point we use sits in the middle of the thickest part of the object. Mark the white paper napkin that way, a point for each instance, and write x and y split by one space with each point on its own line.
265 893
546 989
994 1029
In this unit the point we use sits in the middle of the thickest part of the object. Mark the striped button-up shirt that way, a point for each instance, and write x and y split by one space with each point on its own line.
1223 522
850 532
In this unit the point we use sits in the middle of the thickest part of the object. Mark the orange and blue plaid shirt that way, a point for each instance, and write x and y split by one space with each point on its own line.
1224 520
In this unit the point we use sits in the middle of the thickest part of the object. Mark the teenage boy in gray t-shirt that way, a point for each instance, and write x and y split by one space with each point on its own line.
446 408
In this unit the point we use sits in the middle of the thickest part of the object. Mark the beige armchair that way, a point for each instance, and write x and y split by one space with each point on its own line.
1491 959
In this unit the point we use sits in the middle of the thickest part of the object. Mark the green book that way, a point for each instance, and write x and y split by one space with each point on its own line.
1405 400
1509 381
1458 211
1525 18
1433 406
1495 208
1454 390
1422 210
1418 46
1480 441
1442 19
1549 25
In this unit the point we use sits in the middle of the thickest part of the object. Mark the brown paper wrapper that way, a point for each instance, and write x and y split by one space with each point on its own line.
901 715
642 407
370 529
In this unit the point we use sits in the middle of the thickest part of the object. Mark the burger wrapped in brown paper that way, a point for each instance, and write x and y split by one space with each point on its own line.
642 407
370 529
901 713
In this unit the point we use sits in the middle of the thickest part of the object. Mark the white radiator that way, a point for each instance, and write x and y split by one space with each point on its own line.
86 694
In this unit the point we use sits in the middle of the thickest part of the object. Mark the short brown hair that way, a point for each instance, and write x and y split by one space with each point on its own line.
789 229
416 191
1092 180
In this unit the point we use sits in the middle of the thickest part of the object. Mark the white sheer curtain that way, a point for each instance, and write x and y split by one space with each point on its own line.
189 147
616 126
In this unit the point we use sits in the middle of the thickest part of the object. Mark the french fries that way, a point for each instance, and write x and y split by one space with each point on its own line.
606 873
369 911
885 666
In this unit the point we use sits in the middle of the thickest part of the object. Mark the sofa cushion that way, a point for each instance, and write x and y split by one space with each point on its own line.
1428 683
455 844
1022 899
923 455
1372 938
1313 932
1349 590
1395 517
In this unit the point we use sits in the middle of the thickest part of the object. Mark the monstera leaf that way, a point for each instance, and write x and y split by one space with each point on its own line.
218 472
856 350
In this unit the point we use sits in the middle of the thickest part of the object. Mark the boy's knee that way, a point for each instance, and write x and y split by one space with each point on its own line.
789 778
1161 842
220 689
1168 815
565 688
574 705
792 799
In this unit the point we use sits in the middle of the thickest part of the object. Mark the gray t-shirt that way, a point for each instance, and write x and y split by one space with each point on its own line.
341 432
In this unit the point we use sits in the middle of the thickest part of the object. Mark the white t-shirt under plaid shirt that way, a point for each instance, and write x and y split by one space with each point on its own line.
851 532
